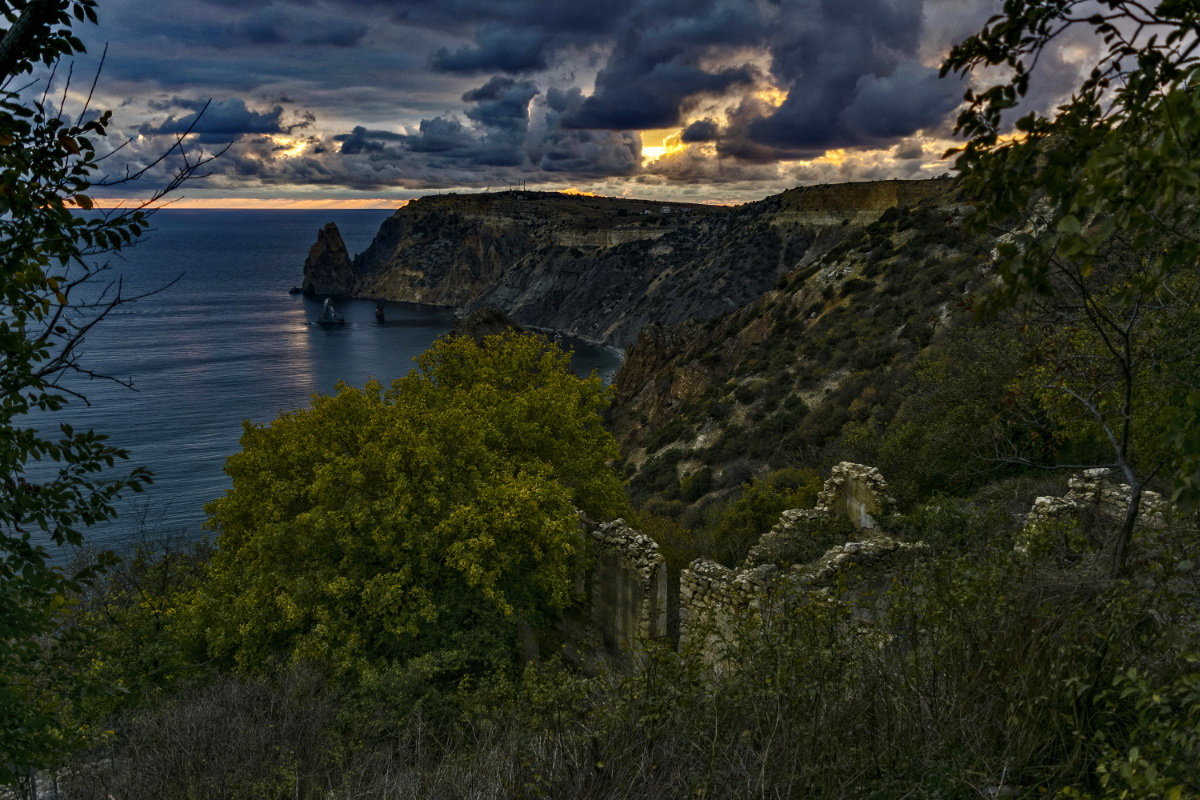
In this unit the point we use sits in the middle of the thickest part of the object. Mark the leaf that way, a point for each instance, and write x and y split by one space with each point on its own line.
1069 225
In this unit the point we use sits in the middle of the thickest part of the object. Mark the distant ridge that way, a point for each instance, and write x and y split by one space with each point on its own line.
599 268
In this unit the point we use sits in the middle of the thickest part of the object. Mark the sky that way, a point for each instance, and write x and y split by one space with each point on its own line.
367 103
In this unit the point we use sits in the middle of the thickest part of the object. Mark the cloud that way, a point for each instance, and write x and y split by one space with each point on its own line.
502 104
275 25
478 93
361 140
218 121
497 49
702 130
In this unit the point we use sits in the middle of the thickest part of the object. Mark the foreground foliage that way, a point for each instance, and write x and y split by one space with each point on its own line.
980 671
1111 173
51 484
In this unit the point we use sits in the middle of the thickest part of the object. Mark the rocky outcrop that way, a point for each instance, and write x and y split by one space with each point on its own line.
484 322
602 269
328 269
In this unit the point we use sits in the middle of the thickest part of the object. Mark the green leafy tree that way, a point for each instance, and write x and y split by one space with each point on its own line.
425 521
743 521
52 292
1096 209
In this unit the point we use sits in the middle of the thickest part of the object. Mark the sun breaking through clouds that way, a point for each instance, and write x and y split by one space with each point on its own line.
353 102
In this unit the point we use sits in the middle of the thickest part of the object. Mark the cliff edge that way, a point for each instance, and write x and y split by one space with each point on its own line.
599 268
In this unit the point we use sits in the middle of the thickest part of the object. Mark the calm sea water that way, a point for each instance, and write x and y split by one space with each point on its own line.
226 343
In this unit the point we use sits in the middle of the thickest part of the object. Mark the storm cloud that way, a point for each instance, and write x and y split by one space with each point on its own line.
219 120
475 93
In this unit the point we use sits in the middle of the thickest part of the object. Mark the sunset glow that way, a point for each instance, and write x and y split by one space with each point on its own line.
263 203
669 142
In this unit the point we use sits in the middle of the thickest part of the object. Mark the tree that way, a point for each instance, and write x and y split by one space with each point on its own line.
52 292
422 521
1096 205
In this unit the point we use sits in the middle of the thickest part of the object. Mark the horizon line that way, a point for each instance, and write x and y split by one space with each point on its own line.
258 203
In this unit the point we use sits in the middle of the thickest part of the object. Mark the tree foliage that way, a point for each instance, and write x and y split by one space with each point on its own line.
49 485
425 520
54 481
1109 177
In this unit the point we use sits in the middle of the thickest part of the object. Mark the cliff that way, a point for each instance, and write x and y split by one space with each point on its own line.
599 268
811 371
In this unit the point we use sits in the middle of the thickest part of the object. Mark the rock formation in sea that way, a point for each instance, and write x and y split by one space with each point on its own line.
328 269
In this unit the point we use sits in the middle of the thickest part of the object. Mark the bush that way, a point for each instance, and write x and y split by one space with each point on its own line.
377 526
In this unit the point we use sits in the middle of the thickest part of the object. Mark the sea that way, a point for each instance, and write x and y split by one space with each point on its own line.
215 339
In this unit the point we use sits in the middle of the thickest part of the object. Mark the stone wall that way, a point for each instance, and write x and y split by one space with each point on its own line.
858 493
628 587
629 591
1091 494
712 595
854 493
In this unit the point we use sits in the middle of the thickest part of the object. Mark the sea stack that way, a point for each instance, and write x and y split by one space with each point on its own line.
328 269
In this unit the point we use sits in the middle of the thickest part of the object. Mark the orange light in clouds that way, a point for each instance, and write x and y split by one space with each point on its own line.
580 192
670 143
261 203
772 96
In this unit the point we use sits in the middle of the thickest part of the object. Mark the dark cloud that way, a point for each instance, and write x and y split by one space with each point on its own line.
217 121
497 49
337 33
852 76
484 92
702 130
502 104
361 140
440 135
660 63
274 25
497 135
591 153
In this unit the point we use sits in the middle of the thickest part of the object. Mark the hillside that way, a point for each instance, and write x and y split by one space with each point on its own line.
598 268
814 370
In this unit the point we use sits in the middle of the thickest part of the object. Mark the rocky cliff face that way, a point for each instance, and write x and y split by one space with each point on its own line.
328 269
819 360
601 268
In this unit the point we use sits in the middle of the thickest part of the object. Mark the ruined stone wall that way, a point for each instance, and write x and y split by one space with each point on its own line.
857 493
629 592
712 595
1091 494
628 586
853 492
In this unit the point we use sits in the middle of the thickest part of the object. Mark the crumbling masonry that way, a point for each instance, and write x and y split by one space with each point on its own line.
629 584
